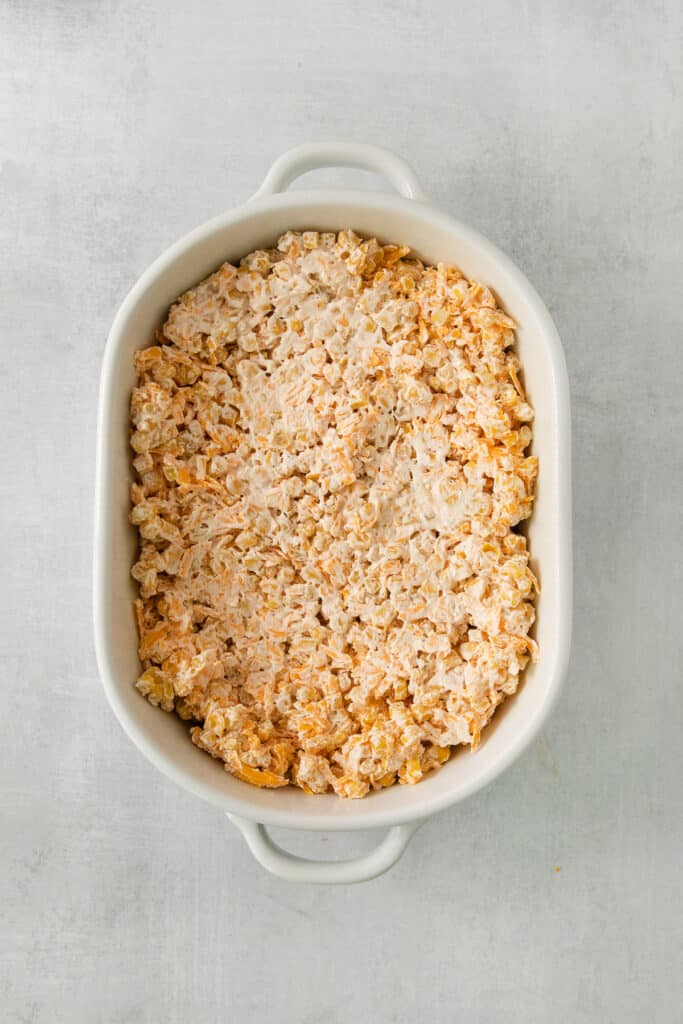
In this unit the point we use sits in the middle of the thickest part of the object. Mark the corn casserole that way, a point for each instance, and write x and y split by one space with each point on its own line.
331 453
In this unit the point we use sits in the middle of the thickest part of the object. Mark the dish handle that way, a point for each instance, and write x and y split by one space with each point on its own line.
325 872
314 155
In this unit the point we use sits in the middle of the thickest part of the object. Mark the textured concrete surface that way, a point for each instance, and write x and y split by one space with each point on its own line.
554 128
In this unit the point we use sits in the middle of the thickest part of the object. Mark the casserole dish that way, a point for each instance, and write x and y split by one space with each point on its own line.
406 218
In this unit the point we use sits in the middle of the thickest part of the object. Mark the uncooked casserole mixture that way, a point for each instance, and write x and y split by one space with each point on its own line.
331 454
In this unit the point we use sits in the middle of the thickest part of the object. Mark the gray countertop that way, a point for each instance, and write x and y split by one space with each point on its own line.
555 129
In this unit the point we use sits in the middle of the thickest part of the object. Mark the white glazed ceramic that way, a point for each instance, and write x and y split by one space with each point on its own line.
407 218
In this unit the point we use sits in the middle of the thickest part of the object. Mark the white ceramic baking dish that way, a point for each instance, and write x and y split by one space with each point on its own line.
407 218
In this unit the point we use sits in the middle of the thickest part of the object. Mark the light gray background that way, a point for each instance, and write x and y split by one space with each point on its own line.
555 129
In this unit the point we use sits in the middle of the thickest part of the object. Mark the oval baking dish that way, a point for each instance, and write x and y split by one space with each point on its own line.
408 219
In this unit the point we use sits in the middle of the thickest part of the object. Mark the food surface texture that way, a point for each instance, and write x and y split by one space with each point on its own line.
331 454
